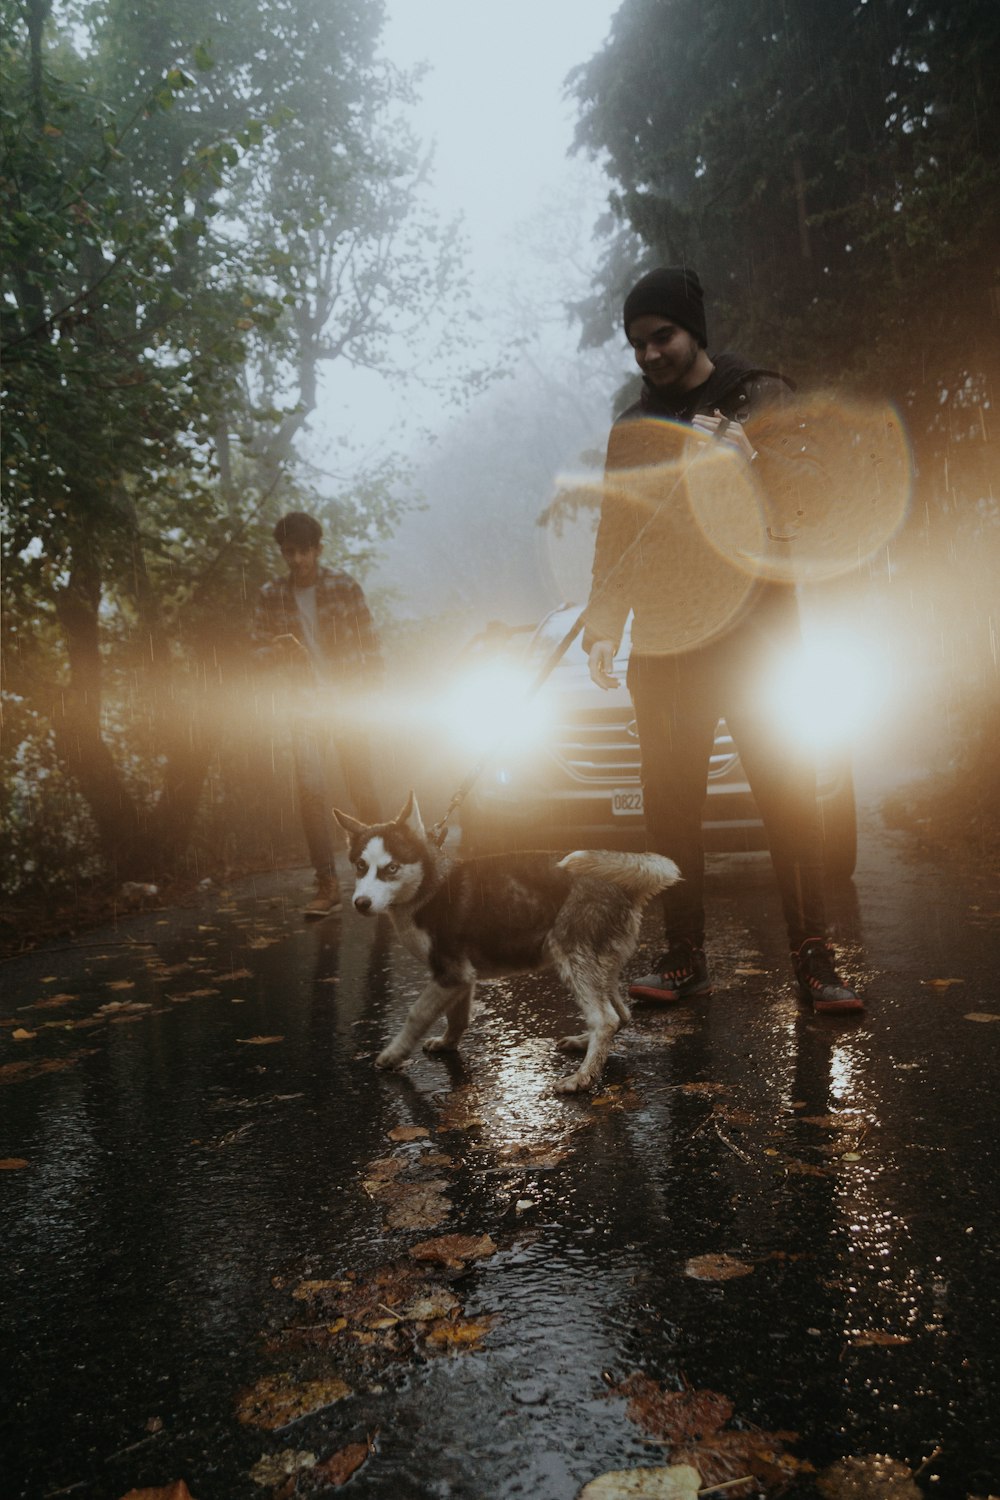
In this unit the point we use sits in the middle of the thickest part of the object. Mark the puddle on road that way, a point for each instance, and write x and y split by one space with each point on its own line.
749 1206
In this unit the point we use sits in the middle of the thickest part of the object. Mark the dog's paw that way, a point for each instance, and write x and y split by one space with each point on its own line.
574 1043
390 1060
440 1044
574 1083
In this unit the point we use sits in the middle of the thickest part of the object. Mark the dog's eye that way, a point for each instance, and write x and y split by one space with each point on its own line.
361 867
391 869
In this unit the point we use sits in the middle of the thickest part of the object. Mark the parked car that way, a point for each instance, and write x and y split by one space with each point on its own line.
566 771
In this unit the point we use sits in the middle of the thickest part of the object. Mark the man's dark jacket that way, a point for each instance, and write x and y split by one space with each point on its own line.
645 437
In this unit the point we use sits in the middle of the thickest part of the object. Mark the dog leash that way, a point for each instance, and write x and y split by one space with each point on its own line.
439 830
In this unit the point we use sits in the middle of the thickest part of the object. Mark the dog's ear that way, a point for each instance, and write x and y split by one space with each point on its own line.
350 825
410 817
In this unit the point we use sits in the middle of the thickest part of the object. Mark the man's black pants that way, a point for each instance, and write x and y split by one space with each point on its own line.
678 702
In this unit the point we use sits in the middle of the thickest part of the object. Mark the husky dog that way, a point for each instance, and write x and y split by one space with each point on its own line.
501 914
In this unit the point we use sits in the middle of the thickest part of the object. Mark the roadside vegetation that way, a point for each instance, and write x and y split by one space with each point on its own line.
205 206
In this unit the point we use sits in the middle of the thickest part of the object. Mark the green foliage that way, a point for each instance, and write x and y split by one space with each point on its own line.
831 170
201 205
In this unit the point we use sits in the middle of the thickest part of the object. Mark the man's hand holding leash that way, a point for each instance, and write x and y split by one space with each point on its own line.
601 662
726 431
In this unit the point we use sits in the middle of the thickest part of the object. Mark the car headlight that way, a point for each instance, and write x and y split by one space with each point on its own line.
489 706
830 691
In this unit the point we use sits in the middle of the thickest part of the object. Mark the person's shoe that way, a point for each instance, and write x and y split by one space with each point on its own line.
818 980
326 900
681 973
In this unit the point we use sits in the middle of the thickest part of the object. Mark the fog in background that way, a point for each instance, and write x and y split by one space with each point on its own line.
486 462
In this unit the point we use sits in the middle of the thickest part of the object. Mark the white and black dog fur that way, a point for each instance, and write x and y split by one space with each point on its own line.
503 914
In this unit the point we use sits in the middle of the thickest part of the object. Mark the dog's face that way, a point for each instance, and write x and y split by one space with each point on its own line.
388 858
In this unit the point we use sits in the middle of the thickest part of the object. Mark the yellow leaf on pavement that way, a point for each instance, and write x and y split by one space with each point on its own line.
677 1482
716 1267
277 1400
454 1249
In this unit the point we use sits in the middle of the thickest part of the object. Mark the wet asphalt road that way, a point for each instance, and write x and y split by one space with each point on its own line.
185 1174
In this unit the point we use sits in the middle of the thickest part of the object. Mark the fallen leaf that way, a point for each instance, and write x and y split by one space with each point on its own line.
176 1490
454 1249
121 984
12 1163
262 942
415 1205
981 1015
702 1088
748 973
271 1468
940 984
382 1171
235 974
676 1482
53 1000
277 1400
870 1476
716 1267
439 1303
408 1133
307 1289
460 1333
804 1168
17 1072
617 1096
832 1122
874 1337
22 1035
258 1041
673 1416
338 1468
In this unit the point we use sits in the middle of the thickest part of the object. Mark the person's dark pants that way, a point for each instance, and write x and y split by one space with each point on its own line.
678 702
310 751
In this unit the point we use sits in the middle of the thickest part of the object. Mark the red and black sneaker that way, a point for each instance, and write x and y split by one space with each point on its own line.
818 980
681 973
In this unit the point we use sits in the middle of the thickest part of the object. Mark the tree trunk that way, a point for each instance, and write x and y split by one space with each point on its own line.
136 843
77 723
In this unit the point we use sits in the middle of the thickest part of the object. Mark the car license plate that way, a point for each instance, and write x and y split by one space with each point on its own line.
627 802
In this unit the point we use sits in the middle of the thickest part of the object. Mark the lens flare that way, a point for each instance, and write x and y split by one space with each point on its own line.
489 706
831 486
830 693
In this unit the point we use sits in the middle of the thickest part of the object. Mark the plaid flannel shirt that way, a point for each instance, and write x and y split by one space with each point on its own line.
344 626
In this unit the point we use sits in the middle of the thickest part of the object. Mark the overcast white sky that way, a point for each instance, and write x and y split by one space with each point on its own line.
493 99
492 103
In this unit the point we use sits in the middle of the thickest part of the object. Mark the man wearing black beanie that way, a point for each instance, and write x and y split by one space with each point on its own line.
703 630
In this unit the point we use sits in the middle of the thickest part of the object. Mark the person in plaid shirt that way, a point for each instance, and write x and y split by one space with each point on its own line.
314 626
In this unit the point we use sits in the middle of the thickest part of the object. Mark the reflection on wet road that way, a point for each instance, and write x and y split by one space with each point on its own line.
210 1199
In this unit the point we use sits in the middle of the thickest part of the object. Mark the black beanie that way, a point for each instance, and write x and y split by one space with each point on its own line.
675 293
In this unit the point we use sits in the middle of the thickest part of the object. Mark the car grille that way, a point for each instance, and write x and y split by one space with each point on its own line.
602 748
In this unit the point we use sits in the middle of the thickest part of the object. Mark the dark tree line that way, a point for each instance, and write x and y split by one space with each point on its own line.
831 168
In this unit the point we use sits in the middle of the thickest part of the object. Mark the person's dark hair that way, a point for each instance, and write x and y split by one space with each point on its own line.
298 530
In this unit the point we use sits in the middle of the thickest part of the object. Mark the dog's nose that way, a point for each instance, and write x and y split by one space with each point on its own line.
363 903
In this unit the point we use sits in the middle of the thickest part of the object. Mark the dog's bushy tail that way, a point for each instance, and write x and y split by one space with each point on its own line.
641 875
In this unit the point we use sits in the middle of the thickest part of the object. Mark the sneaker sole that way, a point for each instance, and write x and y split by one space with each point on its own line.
667 997
855 1005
